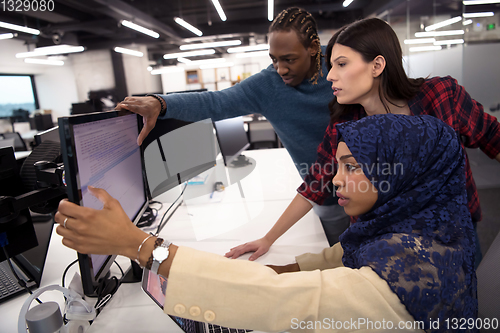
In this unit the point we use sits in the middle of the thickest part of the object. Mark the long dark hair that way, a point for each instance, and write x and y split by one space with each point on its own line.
373 37
304 24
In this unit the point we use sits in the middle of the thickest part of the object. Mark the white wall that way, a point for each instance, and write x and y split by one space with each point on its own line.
242 67
139 80
440 63
475 66
481 74
56 87
56 90
93 70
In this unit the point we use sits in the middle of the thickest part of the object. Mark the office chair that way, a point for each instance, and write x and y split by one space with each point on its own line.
261 135
19 144
488 282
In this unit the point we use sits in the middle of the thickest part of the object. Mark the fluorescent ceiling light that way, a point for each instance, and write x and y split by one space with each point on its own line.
188 54
188 26
347 3
137 27
206 61
7 36
44 62
227 64
444 23
419 41
183 60
212 44
170 69
439 33
270 10
449 42
19 28
129 52
479 2
219 10
484 14
425 48
467 22
258 47
253 54
51 50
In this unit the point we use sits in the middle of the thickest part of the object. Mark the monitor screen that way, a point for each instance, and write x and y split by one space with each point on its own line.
179 154
100 150
232 138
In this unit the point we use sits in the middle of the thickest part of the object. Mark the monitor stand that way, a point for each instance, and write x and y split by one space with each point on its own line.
133 274
239 162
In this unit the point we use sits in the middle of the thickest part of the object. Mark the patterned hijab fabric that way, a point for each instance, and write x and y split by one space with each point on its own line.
418 235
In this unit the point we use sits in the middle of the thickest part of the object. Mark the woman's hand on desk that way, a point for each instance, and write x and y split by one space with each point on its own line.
148 107
105 231
259 247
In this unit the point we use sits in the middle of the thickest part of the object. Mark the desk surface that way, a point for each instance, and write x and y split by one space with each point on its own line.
268 190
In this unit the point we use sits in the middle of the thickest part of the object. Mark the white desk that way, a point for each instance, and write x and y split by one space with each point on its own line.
268 191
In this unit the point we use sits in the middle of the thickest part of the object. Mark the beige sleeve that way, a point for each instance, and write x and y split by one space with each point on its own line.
243 294
330 257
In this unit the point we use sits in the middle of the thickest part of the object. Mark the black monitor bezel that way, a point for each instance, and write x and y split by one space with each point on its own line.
90 281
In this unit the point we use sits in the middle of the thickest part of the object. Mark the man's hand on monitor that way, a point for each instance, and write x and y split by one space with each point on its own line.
148 107
106 231
259 247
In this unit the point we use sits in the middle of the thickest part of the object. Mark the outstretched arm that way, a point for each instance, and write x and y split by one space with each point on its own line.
294 212
105 231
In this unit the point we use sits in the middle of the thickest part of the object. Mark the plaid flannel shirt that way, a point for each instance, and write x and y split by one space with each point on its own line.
441 97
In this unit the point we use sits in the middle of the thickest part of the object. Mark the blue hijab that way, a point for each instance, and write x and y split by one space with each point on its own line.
418 235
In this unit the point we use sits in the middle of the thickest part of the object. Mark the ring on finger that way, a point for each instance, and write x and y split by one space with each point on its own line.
64 223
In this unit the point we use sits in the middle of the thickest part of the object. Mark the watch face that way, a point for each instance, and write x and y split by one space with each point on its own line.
160 253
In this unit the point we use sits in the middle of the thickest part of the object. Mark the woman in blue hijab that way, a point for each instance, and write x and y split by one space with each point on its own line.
417 235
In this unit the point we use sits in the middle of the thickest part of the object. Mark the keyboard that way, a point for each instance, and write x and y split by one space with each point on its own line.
220 329
8 282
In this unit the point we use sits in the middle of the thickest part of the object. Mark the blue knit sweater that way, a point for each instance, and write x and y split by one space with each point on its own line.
299 115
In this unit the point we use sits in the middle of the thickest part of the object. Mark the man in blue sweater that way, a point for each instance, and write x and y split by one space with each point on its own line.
292 94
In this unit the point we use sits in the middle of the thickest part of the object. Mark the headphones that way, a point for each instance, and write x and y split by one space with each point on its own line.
76 309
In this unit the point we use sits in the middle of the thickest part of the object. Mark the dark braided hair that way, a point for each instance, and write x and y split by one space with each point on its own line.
304 24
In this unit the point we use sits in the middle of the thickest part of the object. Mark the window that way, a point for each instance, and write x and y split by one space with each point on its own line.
17 91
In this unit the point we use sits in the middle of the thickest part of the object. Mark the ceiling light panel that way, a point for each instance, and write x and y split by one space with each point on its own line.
188 54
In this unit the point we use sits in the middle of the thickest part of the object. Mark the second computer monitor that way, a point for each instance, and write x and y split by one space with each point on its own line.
232 137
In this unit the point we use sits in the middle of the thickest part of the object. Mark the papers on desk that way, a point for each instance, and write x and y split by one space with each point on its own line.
198 180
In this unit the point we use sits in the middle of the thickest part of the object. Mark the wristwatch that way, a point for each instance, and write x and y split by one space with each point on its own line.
160 254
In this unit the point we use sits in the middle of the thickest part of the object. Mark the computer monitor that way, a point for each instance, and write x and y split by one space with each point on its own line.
233 139
43 122
19 229
82 108
178 151
100 149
